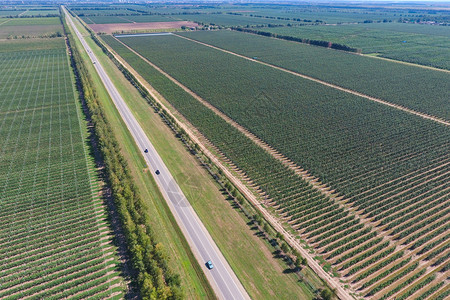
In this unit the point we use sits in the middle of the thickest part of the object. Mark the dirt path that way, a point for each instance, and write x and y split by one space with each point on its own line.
8 20
407 63
396 106
276 224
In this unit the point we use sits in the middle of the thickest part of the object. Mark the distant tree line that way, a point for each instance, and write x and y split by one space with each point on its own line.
31 16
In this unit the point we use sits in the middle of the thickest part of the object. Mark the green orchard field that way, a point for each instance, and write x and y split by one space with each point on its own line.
29 28
388 169
53 230
417 88
413 43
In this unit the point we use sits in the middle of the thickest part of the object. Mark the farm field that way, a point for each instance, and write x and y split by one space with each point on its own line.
415 43
33 21
216 19
325 13
125 19
30 44
10 12
231 20
99 11
29 27
384 180
55 239
41 12
393 82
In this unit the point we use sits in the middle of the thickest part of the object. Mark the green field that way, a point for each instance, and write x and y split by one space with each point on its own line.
421 44
41 12
368 153
31 44
10 12
230 20
55 239
32 21
98 11
125 19
414 87
325 13
30 28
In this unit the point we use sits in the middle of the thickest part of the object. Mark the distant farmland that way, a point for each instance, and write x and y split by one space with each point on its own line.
55 241
416 88
407 42
384 228
29 27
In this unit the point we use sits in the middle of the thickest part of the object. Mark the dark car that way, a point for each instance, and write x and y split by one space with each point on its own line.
209 264
157 172
146 151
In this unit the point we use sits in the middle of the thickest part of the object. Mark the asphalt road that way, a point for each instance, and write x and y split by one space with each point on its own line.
222 278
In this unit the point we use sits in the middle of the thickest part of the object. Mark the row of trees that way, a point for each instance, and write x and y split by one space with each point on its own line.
48 36
148 257
319 43
31 16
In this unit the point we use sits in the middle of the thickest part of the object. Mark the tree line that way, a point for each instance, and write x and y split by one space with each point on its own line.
319 43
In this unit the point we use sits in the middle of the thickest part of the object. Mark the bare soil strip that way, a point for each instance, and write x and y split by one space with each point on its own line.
276 224
384 102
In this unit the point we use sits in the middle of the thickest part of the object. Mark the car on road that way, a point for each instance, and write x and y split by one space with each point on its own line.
146 151
157 172
209 265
